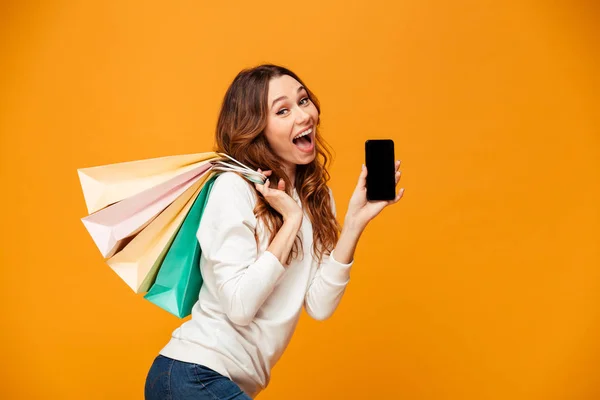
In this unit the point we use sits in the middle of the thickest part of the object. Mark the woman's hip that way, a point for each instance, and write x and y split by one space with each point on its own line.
170 379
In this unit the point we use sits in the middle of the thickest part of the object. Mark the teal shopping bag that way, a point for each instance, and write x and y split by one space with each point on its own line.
179 280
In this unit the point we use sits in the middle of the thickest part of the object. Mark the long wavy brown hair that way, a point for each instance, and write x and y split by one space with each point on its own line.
240 133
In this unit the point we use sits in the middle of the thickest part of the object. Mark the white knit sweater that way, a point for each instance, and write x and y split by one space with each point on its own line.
249 303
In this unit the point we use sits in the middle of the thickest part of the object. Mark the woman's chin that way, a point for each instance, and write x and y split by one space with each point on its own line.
306 159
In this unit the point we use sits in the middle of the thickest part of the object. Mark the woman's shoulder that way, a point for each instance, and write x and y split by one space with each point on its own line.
231 187
230 204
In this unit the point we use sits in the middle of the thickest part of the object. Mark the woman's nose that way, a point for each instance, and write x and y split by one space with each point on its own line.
302 116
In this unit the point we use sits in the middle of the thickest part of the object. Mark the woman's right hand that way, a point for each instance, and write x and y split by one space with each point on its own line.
279 199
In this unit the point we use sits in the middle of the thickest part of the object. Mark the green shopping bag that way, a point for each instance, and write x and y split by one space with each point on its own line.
179 280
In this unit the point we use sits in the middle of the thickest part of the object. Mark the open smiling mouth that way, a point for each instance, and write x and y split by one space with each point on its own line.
305 141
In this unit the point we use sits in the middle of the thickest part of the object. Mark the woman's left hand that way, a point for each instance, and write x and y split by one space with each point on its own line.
360 210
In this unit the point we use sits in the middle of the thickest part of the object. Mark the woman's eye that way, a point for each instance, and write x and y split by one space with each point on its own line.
306 100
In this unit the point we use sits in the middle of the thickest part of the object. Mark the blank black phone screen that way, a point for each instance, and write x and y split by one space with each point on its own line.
381 169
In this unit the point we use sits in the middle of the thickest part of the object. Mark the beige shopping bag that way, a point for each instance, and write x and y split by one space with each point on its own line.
111 227
107 184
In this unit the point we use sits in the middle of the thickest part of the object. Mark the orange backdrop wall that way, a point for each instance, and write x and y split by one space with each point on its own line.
482 283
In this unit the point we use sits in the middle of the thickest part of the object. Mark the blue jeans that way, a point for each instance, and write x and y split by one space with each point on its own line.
170 379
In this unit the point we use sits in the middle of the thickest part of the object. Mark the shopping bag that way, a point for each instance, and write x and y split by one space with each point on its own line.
136 210
138 262
111 226
179 280
107 184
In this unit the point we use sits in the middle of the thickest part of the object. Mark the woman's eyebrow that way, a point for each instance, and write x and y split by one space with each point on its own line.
285 97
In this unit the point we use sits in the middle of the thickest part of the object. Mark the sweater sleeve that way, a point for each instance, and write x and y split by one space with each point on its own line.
327 285
243 279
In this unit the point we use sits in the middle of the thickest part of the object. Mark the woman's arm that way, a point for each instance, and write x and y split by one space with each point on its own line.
346 245
284 239
329 282
282 243
226 235
360 213
333 275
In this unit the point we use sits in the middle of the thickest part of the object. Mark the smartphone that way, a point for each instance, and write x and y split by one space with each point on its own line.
381 169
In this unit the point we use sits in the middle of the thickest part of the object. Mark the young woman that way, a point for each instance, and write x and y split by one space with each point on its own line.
267 250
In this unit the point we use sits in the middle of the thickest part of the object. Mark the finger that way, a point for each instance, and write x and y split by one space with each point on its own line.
397 164
398 176
362 178
399 196
262 189
265 173
256 185
281 184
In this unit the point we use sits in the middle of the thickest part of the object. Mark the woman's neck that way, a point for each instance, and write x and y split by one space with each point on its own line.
290 171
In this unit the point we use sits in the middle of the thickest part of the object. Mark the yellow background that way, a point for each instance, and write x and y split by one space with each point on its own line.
482 283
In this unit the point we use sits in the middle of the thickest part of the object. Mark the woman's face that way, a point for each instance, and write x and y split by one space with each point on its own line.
291 113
